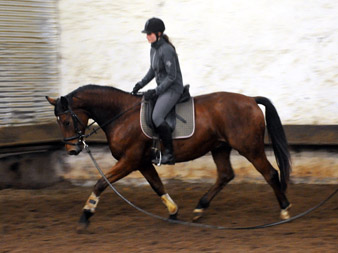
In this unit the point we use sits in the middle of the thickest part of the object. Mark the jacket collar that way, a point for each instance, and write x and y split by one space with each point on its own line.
158 43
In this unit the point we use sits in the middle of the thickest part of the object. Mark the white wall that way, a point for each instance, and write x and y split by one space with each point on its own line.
284 50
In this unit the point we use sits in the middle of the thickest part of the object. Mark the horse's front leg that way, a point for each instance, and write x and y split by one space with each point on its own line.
151 175
118 171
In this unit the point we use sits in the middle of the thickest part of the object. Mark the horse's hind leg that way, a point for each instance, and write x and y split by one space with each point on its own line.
261 163
155 182
225 174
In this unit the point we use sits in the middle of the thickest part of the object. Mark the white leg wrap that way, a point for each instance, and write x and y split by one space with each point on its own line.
284 213
169 203
198 211
91 203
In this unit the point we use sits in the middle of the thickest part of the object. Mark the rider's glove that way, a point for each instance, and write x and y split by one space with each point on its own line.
137 87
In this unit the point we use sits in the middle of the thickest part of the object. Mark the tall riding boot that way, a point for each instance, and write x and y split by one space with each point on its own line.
164 132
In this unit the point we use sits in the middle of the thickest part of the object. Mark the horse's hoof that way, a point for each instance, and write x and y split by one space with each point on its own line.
173 216
198 213
84 222
284 213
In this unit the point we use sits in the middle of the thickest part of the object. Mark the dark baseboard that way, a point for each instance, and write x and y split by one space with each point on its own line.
302 135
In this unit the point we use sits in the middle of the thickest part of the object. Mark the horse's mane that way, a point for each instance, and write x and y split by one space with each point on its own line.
93 87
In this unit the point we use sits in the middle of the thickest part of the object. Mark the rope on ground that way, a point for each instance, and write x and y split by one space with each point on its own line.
201 225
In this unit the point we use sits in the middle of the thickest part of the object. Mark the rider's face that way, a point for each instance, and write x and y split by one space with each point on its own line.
151 37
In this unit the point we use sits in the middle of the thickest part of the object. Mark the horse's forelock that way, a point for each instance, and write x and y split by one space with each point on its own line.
59 108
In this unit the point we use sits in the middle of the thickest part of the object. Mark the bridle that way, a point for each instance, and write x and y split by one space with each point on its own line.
79 135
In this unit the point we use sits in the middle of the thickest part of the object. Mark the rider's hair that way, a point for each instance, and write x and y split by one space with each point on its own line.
166 38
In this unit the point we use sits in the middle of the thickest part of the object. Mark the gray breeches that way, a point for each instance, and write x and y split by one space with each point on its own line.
163 106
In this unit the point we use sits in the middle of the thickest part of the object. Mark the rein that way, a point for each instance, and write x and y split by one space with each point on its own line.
201 225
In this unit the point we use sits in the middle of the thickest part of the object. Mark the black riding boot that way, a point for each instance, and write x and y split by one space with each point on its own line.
164 133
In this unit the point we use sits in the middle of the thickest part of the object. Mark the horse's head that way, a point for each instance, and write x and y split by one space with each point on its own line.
72 123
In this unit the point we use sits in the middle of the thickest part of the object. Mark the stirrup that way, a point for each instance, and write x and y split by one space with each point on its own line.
156 152
158 158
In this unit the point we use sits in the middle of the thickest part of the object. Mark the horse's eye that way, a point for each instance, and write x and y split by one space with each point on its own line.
66 123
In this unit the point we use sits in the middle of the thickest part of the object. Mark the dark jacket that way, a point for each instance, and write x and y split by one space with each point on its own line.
165 67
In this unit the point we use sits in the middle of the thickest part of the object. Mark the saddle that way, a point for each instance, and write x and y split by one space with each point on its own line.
181 118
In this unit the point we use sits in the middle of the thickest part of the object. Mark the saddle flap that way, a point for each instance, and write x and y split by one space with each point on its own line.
148 112
148 106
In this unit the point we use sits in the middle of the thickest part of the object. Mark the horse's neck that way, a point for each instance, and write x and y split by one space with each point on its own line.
105 105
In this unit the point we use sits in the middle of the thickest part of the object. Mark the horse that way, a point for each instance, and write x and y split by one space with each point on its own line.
224 121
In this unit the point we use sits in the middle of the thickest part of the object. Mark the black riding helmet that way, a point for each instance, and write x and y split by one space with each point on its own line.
154 25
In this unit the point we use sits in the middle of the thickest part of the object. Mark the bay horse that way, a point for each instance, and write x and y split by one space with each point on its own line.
224 121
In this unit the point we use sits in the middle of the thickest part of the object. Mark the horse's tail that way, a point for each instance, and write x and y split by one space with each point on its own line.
278 140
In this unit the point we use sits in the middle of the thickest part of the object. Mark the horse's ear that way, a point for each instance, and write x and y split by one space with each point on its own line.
64 103
52 101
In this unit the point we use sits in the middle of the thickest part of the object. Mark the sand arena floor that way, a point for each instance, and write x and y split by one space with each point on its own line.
44 220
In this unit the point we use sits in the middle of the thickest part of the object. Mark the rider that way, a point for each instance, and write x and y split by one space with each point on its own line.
165 67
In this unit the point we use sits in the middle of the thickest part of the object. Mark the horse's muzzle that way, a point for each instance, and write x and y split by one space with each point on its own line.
74 152
74 149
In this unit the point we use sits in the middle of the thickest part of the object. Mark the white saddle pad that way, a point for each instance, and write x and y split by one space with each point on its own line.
182 130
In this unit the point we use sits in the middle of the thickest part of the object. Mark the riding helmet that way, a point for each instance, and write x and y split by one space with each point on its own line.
154 25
